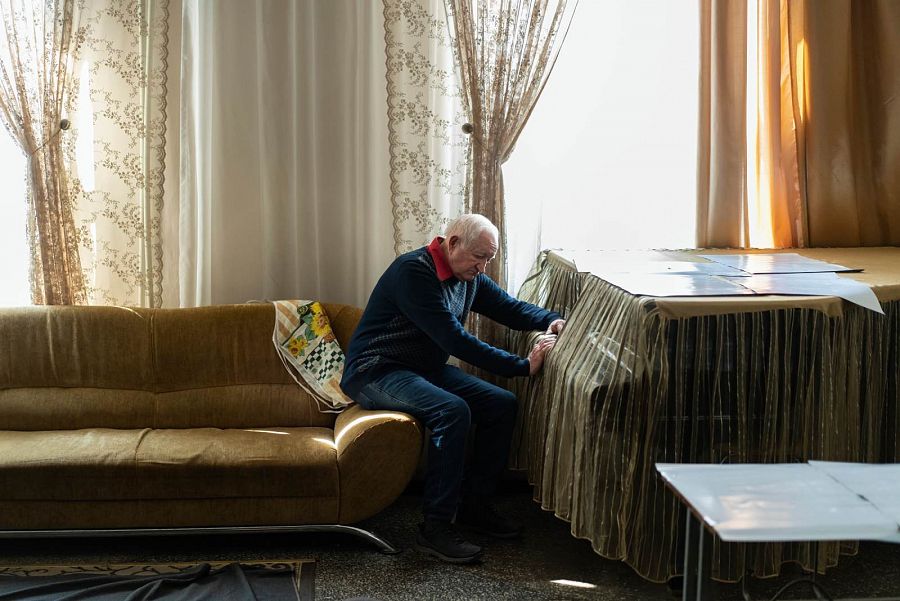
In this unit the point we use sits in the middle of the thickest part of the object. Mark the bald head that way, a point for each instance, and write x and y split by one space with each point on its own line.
470 227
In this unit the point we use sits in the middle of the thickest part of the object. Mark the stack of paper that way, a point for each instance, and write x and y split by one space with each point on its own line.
652 274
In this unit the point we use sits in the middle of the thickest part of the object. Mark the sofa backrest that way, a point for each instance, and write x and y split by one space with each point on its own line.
114 367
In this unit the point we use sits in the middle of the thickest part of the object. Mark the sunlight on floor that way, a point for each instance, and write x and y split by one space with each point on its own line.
267 432
574 583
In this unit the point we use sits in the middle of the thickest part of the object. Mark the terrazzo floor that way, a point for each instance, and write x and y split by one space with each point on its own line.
524 569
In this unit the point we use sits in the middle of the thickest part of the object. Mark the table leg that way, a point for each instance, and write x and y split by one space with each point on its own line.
706 587
689 586
698 584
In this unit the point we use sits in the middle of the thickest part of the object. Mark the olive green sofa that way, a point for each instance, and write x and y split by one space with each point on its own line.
119 420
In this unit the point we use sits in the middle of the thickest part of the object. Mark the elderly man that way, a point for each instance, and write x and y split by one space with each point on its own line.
397 360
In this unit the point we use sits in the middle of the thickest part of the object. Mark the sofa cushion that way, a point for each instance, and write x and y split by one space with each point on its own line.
243 406
100 347
114 367
227 345
95 464
216 346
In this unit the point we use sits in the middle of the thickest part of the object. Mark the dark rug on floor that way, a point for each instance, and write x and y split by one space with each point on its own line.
271 580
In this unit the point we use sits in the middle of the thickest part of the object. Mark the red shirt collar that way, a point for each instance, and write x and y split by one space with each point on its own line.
440 263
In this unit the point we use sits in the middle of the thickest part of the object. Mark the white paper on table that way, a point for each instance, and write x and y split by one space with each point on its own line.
879 484
598 265
659 284
776 502
585 258
813 284
776 263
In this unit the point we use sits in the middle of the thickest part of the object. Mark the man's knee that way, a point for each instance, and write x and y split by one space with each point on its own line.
453 411
507 403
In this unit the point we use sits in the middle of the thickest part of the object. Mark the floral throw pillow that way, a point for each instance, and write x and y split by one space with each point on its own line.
309 351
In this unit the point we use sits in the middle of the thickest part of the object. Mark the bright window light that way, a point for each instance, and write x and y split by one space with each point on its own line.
14 288
608 159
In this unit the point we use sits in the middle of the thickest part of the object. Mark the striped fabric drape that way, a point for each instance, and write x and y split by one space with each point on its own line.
629 385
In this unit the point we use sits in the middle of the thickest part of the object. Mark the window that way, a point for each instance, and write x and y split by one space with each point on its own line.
608 159
14 287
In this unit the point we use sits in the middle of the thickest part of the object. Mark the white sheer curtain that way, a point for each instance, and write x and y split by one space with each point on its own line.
285 188
608 160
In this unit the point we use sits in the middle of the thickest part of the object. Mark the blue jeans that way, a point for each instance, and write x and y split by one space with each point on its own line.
448 401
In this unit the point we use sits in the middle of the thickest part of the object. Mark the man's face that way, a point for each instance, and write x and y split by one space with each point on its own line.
467 263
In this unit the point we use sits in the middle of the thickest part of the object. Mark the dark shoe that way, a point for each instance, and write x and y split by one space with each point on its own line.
676 586
441 540
484 519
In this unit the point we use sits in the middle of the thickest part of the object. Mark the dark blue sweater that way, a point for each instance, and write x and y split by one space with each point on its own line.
416 321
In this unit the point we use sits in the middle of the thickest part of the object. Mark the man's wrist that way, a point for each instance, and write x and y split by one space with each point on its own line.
525 367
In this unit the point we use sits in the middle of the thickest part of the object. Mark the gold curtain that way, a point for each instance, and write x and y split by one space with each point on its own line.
780 128
853 121
811 159
35 77
506 51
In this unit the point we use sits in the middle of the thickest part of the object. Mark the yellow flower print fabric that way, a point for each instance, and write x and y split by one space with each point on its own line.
309 351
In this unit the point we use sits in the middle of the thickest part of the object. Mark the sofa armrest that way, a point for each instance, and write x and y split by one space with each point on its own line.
377 453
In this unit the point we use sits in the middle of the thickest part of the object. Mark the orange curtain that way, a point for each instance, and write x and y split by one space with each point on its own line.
777 117
799 133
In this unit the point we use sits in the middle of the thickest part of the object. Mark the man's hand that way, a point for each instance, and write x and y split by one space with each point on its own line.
536 356
556 326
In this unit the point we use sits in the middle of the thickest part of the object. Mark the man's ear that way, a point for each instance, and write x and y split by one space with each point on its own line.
453 242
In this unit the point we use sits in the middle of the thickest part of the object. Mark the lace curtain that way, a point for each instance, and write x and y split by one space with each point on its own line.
116 147
429 153
506 52
35 44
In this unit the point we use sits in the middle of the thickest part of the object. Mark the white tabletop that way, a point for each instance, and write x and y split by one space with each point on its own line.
878 483
788 502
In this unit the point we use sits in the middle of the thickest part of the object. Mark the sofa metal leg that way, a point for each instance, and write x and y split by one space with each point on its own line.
383 545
